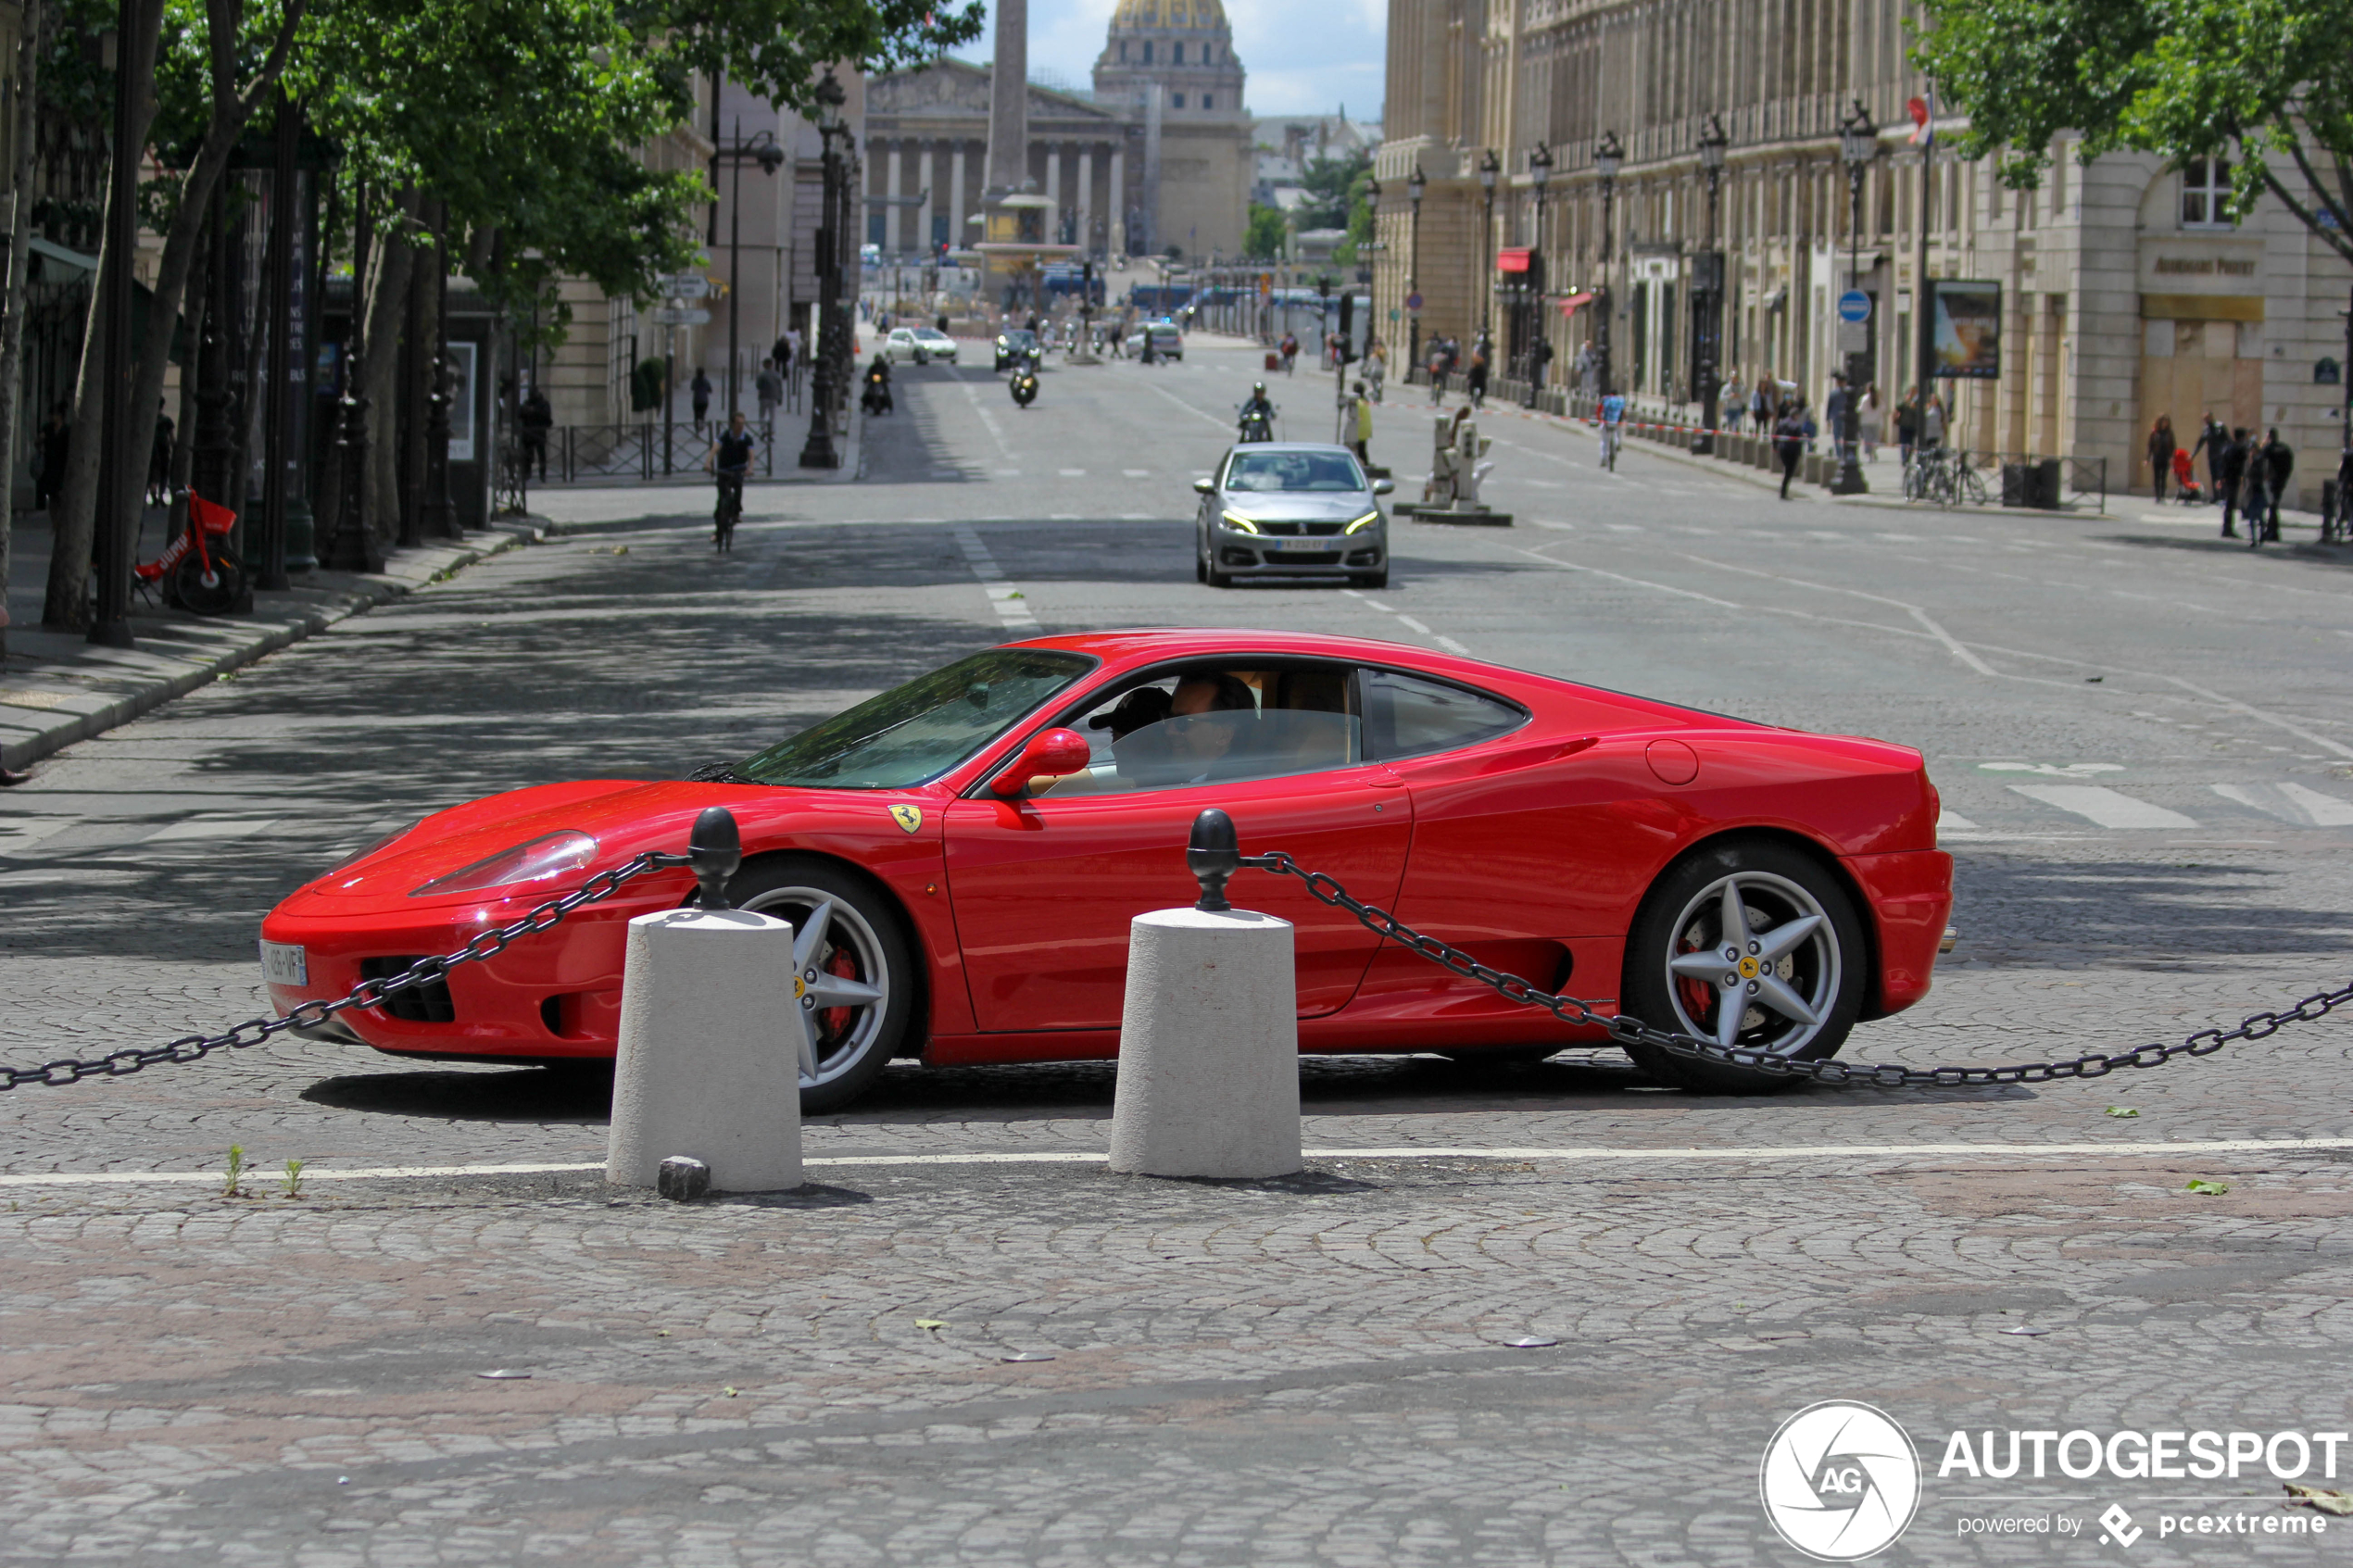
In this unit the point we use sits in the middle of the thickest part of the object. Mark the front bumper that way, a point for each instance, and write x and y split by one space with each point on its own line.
555 994
1247 555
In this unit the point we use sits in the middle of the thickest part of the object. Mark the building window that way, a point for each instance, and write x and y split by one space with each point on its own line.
1177 99
1122 51
1208 102
1177 54
2205 193
1148 50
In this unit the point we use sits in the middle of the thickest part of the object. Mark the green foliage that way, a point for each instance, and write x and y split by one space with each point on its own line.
1331 186
1266 234
2268 85
1360 218
780 48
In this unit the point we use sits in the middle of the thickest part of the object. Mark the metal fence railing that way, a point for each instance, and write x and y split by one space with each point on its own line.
644 451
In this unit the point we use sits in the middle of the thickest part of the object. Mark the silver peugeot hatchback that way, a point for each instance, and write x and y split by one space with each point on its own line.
1290 508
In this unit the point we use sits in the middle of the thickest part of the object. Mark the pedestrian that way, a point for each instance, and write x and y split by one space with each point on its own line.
1289 349
1360 425
2230 475
532 421
1761 403
2279 464
1931 424
1732 401
2210 437
56 440
1540 357
2255 500
700 387
1908 426
1475 383
772 391
1872 424
1834 415
1376 366
2161 446
1789 443
159 461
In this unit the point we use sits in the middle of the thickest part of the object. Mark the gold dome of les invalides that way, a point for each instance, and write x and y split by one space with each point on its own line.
1206 16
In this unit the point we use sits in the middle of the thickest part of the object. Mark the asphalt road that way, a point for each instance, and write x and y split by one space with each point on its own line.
2143 743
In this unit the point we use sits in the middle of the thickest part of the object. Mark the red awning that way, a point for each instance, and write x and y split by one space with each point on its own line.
1568 306
1512 259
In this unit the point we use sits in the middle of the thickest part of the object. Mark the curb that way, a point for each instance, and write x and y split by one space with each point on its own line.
62 690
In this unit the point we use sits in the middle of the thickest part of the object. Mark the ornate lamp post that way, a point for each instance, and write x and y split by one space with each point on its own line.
1489 166
1416 183
1539 174
1610 157
762 149
818 451
1708 335
1858 144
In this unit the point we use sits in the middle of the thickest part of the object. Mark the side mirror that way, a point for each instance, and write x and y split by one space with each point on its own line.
1204 486
1384 487
1048 754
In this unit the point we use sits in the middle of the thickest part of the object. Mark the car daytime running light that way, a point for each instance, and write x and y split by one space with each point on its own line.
551 855
1364 522
1236 519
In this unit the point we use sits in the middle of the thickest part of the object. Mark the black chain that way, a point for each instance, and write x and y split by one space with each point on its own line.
1883 1075
367 994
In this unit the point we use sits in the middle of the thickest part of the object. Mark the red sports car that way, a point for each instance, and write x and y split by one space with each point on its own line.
961 855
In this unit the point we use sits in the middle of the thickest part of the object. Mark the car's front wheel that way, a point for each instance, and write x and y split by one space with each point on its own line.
1745 944
853 979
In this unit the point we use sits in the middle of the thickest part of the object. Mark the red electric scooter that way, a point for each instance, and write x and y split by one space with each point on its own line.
198 571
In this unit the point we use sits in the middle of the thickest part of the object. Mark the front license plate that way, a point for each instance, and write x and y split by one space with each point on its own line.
1303 544
282 963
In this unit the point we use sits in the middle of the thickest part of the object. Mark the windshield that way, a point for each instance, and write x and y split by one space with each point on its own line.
932 334
1294 471
1021 335
919 730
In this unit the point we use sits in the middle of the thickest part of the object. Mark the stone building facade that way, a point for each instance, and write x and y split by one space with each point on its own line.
1157 155
2121 296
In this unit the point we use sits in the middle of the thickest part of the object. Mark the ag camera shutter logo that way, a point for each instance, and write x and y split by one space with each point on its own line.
1840 1481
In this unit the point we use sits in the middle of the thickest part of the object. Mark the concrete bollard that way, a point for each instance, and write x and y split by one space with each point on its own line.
1208 1048
707 1066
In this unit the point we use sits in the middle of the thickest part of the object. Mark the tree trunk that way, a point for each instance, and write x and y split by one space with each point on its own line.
12 306
66 605
387 303
417 386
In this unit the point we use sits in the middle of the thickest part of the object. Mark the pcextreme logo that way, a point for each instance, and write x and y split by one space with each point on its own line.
1840 1481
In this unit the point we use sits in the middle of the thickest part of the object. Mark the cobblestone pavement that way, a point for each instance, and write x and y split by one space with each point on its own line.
1314 1371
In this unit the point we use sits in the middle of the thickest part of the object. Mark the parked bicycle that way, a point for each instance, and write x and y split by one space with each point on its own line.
1944 477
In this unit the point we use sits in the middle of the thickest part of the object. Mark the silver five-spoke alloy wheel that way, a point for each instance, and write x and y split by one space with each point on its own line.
1755 962
841 980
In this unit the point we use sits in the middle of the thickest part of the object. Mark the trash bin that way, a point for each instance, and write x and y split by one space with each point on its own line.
2046 484
2017 484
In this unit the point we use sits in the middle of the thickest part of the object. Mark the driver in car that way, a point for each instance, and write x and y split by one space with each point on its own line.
1198 737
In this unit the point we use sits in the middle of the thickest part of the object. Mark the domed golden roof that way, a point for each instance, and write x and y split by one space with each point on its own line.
1203 14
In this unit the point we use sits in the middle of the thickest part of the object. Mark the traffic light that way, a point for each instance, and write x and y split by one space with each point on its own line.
1347 329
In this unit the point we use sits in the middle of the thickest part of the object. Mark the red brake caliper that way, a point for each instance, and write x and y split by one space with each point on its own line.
835 1021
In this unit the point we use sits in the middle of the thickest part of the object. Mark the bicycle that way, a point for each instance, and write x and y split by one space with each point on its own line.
198 570
731 507
1612 436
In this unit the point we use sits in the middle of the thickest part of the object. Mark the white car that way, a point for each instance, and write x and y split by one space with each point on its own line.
918 345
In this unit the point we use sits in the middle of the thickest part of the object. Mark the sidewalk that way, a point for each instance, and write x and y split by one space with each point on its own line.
57 687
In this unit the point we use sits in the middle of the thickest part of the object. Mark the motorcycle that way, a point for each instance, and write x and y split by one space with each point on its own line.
877 398
1257 426
1024 383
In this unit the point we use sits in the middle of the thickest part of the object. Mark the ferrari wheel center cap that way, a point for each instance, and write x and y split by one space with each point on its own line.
799 988
1749 969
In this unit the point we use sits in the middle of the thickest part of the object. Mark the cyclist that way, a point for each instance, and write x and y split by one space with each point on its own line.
729 461
1613 427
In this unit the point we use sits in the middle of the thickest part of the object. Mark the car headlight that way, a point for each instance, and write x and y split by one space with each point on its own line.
1236 521
1364 522
552 855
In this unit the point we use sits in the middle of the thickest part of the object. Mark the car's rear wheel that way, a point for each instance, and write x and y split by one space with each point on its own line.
853 974
1749 944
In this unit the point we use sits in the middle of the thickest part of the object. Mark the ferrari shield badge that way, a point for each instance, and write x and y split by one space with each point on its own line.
908 817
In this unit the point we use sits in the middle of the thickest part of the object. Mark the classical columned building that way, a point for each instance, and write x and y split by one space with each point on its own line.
2122 295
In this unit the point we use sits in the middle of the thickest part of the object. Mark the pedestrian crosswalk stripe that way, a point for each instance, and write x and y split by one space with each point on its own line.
2294 803
1953 821
2108 808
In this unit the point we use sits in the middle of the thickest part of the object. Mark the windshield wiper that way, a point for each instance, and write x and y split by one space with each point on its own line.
719 772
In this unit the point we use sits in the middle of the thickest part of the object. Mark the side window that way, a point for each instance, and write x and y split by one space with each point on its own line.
1216 724
1408 716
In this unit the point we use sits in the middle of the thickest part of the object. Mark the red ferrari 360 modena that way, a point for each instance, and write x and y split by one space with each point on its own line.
961 856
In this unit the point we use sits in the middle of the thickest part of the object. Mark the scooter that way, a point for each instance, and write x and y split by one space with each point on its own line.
198 571
1024 383
1257 426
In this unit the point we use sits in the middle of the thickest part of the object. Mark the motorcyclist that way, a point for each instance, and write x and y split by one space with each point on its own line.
1258 410
877 398
1023 380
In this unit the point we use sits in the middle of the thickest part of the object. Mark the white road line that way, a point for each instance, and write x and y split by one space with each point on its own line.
2291 802
1011 605
210 827
2108 808
2258 715
1952 644
1415 624
1816 1152
996 432
1451 645
1953 821
1182 404
1071 473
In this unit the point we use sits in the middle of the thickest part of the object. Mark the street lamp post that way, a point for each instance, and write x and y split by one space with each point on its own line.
1489 166
1610 157
1539 174
1415 184
818 451
763 150
1709 322
1858 144
114 539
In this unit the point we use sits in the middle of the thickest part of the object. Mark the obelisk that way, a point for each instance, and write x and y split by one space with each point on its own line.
1009 103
